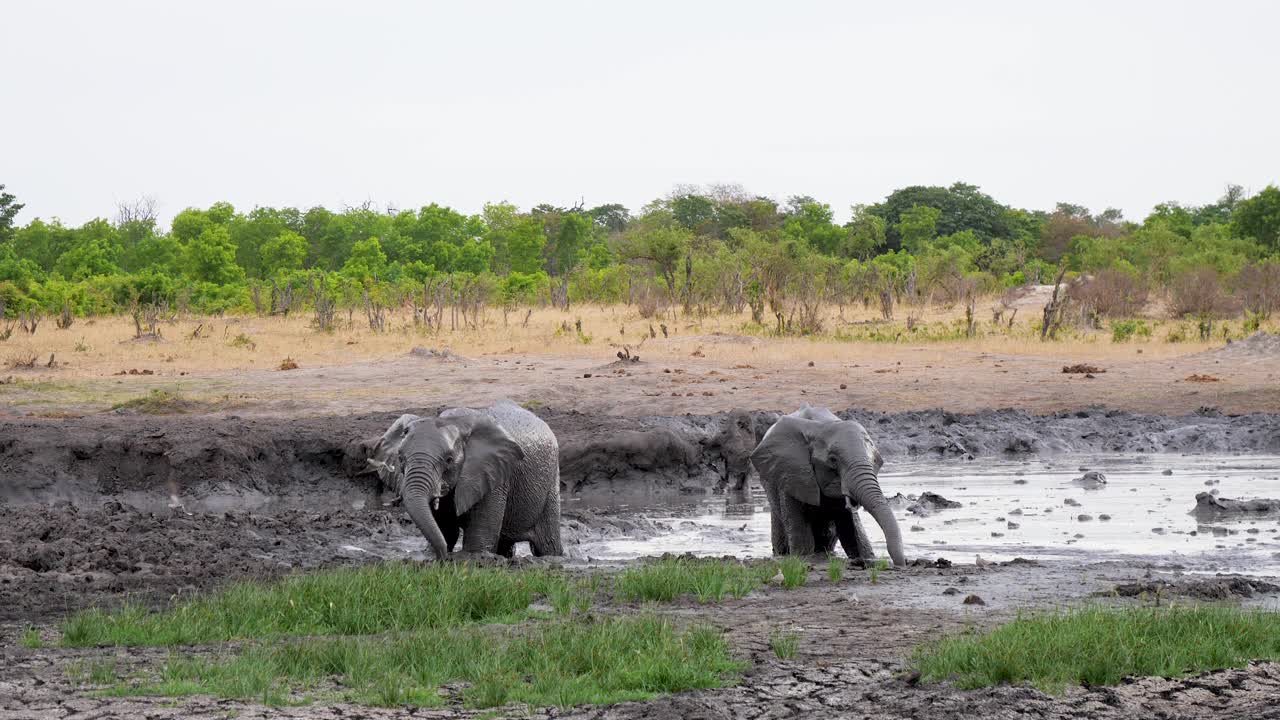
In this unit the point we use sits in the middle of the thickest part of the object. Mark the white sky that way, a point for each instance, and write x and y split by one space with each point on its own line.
405 103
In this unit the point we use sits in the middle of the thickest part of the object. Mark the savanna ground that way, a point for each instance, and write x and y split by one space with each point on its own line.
540 357
842 644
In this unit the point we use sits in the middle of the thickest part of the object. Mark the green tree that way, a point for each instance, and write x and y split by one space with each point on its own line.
517 239
865 234
211 257
8 211
572 239
917 227
95 251
961 207
811 222
366 262
1259 218
284 252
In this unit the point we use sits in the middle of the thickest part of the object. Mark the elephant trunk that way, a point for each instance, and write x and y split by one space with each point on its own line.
861 486
418 493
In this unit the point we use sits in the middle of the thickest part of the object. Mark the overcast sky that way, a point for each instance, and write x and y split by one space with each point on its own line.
301 103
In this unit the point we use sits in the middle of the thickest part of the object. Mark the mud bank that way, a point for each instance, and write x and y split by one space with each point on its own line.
261 460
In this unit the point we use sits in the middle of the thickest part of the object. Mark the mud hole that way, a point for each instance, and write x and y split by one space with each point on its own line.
97 510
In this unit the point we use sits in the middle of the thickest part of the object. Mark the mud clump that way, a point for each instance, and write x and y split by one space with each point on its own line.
929 503
1082 369
1227 588
58 558
1210 504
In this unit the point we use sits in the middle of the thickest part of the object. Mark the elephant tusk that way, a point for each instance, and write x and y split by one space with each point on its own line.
435 503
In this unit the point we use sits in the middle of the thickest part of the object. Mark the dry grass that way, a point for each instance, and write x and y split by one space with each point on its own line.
104 346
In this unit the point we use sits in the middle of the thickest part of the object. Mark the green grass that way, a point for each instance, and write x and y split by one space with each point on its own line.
31 639
706 579
559 662
795 572
95 672
383 598
878 567
835 568
156 402
1101 646
784 644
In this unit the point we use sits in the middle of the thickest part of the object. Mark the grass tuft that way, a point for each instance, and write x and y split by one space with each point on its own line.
559 662
795 572
1101 646
785 644
835 568
157 402
31 639
706 579
382 598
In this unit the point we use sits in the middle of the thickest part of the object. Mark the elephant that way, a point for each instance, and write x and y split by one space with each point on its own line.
817 470
492 473
735 441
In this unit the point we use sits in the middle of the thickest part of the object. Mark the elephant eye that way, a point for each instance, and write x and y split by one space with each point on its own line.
448 460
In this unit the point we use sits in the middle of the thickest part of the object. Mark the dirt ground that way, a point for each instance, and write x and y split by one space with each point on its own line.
884 377
246 474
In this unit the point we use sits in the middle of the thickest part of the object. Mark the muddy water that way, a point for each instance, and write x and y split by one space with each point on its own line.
1029 509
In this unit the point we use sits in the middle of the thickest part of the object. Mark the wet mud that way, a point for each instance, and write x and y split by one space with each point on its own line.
100 510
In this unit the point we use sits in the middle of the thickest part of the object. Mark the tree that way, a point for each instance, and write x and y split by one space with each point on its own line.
366 262
517 239
661 245
865 234
961 206
612 217
211 257
1259 218
8 211
811 222
95 251
917 227
286 251
570 241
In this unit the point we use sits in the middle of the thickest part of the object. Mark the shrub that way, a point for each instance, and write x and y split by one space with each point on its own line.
1124 330
1198 293
1111 293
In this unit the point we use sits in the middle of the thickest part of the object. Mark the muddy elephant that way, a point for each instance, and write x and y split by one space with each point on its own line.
817 470
492 474
737 437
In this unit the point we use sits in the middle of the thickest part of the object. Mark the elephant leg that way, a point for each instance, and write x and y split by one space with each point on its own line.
447 519
777 529
853 537
824 536
506 546
739 481
798 528
483 524
546 534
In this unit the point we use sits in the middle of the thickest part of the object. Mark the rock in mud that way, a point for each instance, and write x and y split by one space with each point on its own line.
929 503
1208 504
1091 480
974 600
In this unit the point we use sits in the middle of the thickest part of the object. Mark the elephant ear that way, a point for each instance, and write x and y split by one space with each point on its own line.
491 457
784 457
383 459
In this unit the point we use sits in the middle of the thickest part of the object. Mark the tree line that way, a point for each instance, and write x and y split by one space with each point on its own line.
696 250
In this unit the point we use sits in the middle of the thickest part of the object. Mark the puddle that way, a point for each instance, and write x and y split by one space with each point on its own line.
1149 513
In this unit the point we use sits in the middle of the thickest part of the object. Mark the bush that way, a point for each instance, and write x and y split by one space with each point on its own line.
1124 330
1111 293
1198 293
